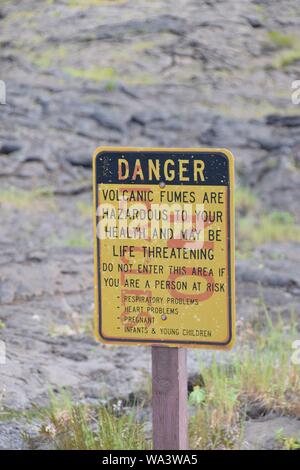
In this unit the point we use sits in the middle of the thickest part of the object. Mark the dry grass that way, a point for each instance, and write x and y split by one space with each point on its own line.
82 427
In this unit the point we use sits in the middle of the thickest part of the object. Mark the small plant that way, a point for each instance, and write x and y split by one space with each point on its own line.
291 46
197 396
288 58
110 86
287 443
281 40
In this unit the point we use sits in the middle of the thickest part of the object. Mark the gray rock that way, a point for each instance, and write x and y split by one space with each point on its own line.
262 434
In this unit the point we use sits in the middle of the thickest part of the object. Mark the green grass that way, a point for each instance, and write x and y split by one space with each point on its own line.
287 442
20 15
97 74
245 199
109 76
82 427
9 414
276 226
142 46
48 57
85 209
256 226
78 239
20 198
88 3
260 373
110 86
281 40
288 58
142 79
291 48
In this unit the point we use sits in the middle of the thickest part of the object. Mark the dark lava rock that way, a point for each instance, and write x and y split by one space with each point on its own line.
107 121
158 24
266 277
255 410
9 147
284 121
145 117
252 134
84 160
195 380
254 21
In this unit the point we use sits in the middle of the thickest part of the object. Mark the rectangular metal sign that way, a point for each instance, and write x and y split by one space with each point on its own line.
164 247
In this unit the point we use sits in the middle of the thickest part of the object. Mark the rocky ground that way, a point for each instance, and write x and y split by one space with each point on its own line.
80 74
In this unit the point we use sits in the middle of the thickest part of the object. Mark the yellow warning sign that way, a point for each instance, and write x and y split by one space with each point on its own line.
164 264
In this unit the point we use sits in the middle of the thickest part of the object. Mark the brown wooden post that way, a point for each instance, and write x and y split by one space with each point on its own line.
169 398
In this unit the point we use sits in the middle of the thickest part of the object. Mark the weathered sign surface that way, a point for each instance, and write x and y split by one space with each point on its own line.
164 247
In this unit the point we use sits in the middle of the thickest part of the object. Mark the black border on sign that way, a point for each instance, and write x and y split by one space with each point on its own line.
157 341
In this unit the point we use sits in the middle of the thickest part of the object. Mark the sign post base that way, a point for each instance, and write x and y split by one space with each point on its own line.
169 398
